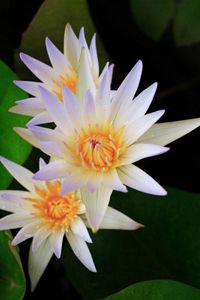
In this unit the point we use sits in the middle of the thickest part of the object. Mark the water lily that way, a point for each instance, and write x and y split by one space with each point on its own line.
77 68
97 141
45 215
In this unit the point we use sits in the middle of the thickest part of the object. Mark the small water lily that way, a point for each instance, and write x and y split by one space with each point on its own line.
77 68
96 141
45 215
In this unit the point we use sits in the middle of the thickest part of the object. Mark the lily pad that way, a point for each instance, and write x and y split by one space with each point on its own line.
12 280
167 248
11 145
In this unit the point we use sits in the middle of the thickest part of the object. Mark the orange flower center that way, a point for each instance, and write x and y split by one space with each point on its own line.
68 80
99 148
55 211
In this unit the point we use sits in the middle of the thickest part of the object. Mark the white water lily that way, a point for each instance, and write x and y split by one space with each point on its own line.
96 141
46 216
77 68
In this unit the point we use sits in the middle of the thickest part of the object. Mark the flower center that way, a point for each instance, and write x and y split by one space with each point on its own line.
54 210
99 148
68 80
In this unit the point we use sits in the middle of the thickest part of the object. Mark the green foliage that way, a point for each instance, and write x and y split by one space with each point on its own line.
50 21
167 248
154 17
11 145
157 290
12 280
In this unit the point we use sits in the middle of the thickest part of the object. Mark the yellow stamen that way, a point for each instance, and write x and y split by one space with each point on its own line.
99 148
68 80
55 211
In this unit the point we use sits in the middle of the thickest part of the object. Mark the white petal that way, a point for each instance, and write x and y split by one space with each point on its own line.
114 219
41 70
84 44
12 201
53 170
39 237
25 233
137 152
54 148
165 133
46 134
24 110
27 135
112 180
41 118
127 89
34 103
55 109
94 57
38 261
78 227
81 250
58 60
21 174
134 130
56 242
72 47
31 87
74 181
42 163
137 179
85 79
89 109
16 220
96 204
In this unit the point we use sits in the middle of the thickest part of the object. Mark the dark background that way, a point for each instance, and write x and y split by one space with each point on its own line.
175 69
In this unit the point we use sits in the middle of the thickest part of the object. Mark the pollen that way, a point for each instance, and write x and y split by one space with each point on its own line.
69 80
99 148
55 211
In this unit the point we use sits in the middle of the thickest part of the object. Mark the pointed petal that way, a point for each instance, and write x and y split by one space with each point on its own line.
81 250
125 93
94 57
12 201
112 180
38 261
42 163
41 118
137 152
58 60
25 233
54 148
27 135
73 182
84 44
56 240
96 204
39 69
165 133
72 47
16 220
85 79
31 87
39 237
53 170
78 228
137 179
21 174
89 109
134 130
24 110
114 219
33 102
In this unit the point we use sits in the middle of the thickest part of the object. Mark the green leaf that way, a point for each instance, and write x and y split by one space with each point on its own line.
187 23
12 280
168 247
157 290
50 21
153 16
11 146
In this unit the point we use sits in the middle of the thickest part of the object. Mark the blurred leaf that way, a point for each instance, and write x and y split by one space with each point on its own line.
157 290
50 21
12 280
187 23
153 16
168 247
11 145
